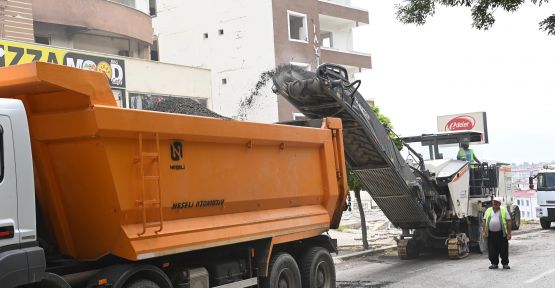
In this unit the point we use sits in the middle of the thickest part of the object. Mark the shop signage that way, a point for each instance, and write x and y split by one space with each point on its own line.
14 53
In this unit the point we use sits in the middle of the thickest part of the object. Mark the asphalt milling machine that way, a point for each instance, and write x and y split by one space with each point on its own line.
434 202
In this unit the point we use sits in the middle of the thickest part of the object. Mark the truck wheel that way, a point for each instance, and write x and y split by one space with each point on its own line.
545 224
515 223
142 283
317 269
283 272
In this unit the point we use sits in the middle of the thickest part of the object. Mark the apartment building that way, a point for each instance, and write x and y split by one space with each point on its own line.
118 27
527 201
110 36
239 40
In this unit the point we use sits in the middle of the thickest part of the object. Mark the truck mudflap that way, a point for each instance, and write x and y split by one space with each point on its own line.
369 151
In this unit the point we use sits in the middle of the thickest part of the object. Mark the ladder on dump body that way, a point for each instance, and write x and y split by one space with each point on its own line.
143 202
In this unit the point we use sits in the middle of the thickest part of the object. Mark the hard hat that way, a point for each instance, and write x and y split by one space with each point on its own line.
498 199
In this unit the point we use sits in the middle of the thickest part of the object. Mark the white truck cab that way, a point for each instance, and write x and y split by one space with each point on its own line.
21 259
546 195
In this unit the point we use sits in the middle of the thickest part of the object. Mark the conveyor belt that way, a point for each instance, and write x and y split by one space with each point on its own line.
369 151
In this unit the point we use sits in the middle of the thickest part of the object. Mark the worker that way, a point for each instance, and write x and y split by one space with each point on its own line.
467 154
497 230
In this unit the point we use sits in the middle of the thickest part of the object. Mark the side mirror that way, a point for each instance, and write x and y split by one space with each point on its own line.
531 182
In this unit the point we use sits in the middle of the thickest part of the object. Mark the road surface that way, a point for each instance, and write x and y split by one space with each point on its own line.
531 255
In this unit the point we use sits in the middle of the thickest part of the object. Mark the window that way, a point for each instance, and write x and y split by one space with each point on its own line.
152 8
297 26
42 39
154 56
224 81
327 39
527 203
221 31
546 181
119 96
205 35
528 214
517 202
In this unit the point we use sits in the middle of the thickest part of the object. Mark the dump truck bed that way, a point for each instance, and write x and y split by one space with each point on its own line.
141 184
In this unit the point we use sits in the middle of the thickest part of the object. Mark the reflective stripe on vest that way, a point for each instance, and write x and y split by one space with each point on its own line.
503 211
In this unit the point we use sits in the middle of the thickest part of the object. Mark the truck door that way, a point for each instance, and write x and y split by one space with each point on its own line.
9 234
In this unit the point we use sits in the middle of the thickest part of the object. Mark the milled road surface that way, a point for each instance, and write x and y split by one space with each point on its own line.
531 255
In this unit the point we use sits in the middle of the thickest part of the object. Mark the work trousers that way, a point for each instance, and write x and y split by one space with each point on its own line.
498 245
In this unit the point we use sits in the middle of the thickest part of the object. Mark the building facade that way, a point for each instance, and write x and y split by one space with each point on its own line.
527 201
119 27
110 36
240 40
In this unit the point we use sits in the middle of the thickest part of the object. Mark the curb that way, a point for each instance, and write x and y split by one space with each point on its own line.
363 253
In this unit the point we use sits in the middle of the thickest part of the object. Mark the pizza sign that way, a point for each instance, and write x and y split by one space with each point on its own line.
15 53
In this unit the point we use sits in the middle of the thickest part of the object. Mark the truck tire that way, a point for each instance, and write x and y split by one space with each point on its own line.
545 224
515 219
142 283
283 272
317 269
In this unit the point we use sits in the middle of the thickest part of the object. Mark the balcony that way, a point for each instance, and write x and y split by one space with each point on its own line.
343 9
109 16
336 40
353 61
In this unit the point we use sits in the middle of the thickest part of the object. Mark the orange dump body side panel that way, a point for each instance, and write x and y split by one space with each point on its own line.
140 184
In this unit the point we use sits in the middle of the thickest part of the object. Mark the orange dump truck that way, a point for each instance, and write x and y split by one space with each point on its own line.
92 195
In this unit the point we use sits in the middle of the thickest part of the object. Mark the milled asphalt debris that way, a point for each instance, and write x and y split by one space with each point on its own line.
182 105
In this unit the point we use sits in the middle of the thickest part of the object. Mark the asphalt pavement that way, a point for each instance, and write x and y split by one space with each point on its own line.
532 256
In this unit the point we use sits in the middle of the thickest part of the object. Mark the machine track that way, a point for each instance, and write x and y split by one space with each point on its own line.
369 151
458 247
407 249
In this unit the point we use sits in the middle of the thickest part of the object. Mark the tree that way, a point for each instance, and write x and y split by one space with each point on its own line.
388 127
356 186
354 182
416 11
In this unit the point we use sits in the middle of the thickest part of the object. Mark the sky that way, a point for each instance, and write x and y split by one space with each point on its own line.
447 67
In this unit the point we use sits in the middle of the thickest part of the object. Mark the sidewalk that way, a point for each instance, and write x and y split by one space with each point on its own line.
349 235
380 234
